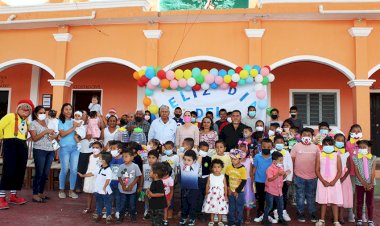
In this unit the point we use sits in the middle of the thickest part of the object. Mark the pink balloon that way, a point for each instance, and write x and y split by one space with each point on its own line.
264 71
170 75
182 83
260 94
209 79
218 80
224 85
150 86
173 84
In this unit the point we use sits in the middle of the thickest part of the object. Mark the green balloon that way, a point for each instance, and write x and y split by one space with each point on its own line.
157 69
241 82
265 81
199 79
269 110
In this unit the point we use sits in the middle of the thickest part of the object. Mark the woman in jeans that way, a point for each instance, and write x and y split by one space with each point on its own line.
43 152
68 153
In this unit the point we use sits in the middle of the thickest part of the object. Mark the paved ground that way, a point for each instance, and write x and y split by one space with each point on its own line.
69 212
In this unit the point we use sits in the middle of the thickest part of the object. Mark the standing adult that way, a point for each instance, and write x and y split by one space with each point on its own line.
13 131
233 132
139 122
68 153
210 115
187 130
43 151
297 122
178 116
207 133
250 120
163 128
222 122
274 115
109 132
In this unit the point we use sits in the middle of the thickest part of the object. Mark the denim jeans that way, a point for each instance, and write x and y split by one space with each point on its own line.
103 201
189 203
305 189
128 200
116 196
42 160
236 205
269 198
68 156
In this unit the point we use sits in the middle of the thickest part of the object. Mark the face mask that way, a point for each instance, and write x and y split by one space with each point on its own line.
245 135
186 119
356 135
147 117
252 113
280 165
229 119
193 120
279 130
306 140
168 152
363 151
138 119
203 153
328 149
259 128
274 117
293 115
181 150
148 147
324 131
286 129
41 117
279 147
114 153
122 122
265 151
339 144
177 115
95 151
270 133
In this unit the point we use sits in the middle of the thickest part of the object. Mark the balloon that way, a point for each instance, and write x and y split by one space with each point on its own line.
141 73
173 84
155 81
149 85
196 87
233 84
267 66
196 71
214 72
259 86
187 88
191 82
231 71
204 72
182 83
271 77
144 79
235 77
258 78
153 109
224 85
156 69
249 80
136 75
149 73
257 68
269 110
161 74
243 74
222 73
247 67
143 68
199 79
187 74
214 86
170 75
254 72
218 80
238 69
227 78
148 92
209 79
264 71
178 74
260 94
241 82
262 104
164 83
265 81
205 86
147 101
141 83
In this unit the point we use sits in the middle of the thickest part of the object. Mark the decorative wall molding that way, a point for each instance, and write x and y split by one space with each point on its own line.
361 82
254 33
63 37
360 31
150 34
60 82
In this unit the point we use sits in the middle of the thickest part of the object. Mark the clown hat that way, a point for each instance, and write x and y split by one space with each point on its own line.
25 102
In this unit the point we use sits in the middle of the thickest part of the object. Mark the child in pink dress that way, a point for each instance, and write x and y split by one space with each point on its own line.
329 188
249 196
93 126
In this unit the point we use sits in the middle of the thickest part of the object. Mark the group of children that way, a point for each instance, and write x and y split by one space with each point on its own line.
325 169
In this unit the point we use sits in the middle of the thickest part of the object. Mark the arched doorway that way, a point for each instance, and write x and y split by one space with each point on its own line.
375 109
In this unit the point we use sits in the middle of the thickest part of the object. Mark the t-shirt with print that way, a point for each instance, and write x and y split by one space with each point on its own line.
128 174
147 179
235 176
189 176
174 163
157 203
114 165
168 183
206 163
305 159
261 164
102 175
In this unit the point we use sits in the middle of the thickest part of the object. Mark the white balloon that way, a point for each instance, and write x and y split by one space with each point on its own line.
258 78
143 68
205 86
271 77
191 82
235 77
259 86
155 81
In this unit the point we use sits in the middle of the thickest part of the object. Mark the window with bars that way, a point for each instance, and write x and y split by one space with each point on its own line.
316 107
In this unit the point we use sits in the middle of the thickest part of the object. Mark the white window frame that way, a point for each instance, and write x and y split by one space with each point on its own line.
101 96
336 91
9 97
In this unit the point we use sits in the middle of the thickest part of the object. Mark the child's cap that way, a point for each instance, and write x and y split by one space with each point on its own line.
78 113
237 154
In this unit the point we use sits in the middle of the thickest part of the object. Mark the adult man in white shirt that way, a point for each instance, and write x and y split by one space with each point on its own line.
163 128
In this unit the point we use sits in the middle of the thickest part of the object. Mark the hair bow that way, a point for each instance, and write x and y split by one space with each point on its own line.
243 142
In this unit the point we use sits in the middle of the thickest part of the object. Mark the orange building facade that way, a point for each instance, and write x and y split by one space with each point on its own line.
70 49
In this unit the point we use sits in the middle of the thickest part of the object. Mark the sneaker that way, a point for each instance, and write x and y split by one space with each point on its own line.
109 220
220 224
73 195
146 216
182 222
275 214
359 223
216 218
119 220
62 195
272 220
134 218
371 223
364 218
336 223
283 222
166 223
351 217
259 219
314 218
191 222
16 200
3 204
224 218
104 216
117 215
301 217
286 216
320 223
96 217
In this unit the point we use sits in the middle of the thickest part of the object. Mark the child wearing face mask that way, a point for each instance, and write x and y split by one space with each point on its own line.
116 148
249 196
323 132
170 157
365 166
274 129
286 131
248 139
329 189
304 155
257 136
293 137
146 180
203 174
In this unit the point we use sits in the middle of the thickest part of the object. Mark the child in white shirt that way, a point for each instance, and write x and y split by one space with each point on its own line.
94 105
80 131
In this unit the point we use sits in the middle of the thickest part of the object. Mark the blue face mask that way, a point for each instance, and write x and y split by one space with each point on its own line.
168 152
252 113
181 149
339 144
328 149
324 131
193 120
279 147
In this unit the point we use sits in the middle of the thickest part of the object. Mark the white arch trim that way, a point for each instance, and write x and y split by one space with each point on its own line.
70 74
347 72
197 59
373 70
14 62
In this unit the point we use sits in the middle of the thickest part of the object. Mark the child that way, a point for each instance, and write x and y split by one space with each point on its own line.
52 123
249 196
89 182
102 189
154 144
189 187
365 164
128 175
80 131
220 148
117 159
304 157
279 143
345 180
324 130
94 105
93 126
216 193
156 193
169 190
286 131
329 189
146 179
261 163
273 187
274 130
294 137
203 175
248 139
236 178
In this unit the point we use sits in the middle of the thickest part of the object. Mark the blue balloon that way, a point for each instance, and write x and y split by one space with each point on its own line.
241 82
179 88
247 67
231 71
149 73
214 85
249 80
262 104
257 68
196 71
148 92
188 88
214 72
222 73
153 117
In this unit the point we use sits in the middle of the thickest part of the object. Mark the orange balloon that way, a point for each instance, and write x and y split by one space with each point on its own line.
165 83
147 101
136 75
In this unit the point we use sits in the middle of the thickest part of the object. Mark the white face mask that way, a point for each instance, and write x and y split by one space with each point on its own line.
363 151
203 153
279 130
114 153
270 133
41 117
286 129
229 119
259 128
356 135
147 117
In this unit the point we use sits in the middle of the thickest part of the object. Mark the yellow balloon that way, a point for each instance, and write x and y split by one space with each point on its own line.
153 109
227 79
141 73
187 74
178 74
253 72
204 72
243 74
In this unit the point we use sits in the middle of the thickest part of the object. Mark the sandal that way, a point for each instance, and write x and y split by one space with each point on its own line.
220 224
87 210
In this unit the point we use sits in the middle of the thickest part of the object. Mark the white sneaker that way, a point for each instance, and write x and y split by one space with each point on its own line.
224 217
216 217
275 214
351 217
73 195
259 219
286 216
364 218
117 215
272 220
62 195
